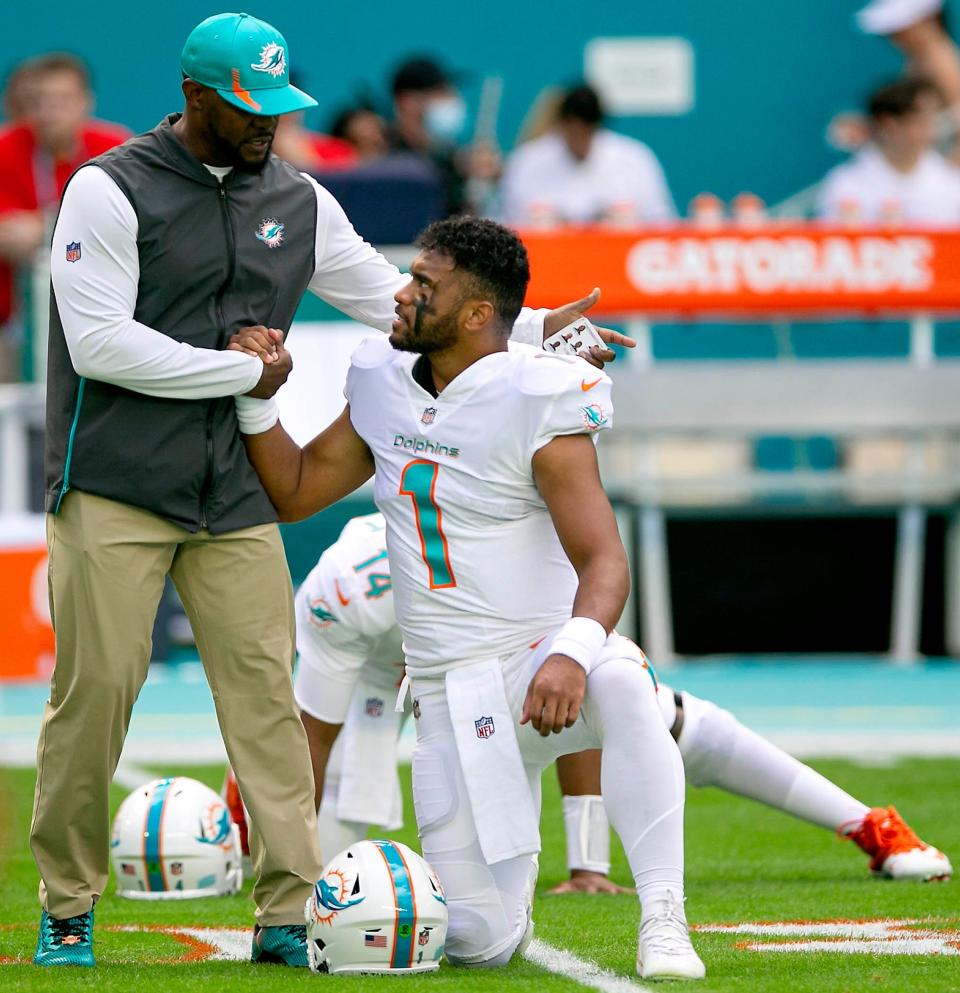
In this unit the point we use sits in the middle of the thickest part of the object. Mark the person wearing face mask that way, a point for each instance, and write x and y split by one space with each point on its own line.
583 173
429 117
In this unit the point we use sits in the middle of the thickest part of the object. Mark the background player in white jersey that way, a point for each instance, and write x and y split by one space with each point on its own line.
350 661
498 530
349 670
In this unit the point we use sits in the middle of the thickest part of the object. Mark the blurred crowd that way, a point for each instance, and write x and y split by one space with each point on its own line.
412 150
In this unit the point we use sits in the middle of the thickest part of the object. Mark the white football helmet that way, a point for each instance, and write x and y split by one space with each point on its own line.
379 908
173 839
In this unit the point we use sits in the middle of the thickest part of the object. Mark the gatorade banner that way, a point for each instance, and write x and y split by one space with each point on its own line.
27 645
775 270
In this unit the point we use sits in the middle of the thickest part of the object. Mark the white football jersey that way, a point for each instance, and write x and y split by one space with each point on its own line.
478 569
345 614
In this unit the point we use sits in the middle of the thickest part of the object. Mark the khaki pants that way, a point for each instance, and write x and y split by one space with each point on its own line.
108 561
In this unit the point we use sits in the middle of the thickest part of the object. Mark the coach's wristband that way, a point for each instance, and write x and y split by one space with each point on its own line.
256 416
588 834
581 638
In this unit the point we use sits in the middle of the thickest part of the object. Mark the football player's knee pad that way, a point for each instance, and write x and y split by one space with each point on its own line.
707 739
489 908
436 797
478 937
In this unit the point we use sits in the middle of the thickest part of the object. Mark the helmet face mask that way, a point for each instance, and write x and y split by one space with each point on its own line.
378 908
173 839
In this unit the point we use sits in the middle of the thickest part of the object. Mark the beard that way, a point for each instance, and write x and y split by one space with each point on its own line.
423 339
229 154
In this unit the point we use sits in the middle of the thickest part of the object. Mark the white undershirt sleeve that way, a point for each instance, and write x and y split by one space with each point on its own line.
97 295
354 277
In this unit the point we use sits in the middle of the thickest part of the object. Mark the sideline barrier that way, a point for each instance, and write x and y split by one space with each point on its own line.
28 648
808 270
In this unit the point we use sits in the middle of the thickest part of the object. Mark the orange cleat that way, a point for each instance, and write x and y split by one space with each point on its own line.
895 850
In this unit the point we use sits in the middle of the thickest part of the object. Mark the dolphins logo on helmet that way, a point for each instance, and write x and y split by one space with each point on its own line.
216 826
272 60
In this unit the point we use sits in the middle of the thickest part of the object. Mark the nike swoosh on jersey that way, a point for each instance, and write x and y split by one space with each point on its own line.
343 600
586 387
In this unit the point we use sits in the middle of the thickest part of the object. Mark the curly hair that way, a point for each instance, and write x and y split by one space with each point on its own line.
492 255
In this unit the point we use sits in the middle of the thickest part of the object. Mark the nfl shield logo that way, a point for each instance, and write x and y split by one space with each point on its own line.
73 251
374 707
424 936
484 727
428 416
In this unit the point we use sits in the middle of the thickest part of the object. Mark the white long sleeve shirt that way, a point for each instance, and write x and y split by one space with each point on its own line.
97 300
620 176
868 190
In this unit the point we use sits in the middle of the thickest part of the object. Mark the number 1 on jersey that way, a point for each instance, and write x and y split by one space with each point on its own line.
418 481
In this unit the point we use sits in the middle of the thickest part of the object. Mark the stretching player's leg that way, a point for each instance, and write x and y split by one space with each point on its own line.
719 751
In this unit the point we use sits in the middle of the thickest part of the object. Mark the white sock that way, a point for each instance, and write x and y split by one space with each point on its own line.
719 751
641 776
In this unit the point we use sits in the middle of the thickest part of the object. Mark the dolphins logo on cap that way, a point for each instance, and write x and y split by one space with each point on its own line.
272 60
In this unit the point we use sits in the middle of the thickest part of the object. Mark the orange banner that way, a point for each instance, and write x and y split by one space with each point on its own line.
775 270
27 650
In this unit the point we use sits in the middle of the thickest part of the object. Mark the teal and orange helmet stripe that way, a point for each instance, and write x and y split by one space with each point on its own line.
152 855
405 902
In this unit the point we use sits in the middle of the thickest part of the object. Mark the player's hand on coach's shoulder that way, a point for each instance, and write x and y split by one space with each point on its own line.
560 317
555 695
265 344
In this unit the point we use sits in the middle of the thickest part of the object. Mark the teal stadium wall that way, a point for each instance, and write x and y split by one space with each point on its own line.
769 75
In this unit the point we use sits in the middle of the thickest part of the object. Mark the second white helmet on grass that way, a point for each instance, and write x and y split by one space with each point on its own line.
173 839
377 908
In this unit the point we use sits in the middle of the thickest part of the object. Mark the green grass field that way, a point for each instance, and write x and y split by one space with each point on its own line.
744 864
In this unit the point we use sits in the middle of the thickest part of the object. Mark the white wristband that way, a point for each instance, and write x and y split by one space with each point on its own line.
588 834
581 639
256 416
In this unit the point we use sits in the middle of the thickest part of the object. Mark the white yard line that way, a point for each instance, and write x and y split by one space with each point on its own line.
564 963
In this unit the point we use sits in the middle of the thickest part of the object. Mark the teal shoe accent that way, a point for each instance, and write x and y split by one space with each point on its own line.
65 942
285 944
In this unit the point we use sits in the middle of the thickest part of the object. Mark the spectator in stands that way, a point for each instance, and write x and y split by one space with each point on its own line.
38 153
19 92
898 177
581 172
364 129
429 118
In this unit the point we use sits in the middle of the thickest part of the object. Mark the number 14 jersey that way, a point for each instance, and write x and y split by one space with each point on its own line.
478 570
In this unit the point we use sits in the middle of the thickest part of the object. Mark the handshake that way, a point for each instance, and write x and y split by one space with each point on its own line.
265 344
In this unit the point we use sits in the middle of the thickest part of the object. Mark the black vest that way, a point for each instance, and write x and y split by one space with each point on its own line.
204 274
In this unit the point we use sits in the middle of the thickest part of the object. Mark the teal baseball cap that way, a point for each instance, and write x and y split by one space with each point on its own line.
246 61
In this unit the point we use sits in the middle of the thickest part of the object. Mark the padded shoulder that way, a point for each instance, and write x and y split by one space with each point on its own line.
375 351
538 373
